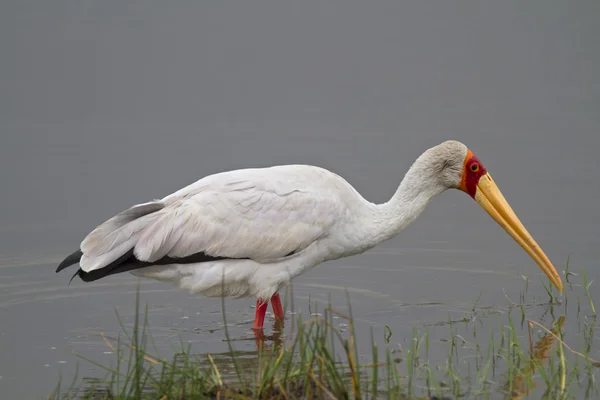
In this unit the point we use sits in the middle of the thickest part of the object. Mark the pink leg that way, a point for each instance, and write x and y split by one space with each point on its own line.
277 307
261 310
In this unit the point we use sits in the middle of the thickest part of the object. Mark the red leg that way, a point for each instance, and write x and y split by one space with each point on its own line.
277 307
261 310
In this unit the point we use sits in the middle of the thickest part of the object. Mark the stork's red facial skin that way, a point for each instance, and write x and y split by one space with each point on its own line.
473 170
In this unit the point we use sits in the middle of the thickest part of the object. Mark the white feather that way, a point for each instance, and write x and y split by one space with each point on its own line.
259 216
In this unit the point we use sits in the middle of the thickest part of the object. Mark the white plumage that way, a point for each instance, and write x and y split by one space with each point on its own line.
257 214
253 230
270 224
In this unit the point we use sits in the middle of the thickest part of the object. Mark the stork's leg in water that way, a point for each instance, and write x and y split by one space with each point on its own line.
259 319
277 311
261 310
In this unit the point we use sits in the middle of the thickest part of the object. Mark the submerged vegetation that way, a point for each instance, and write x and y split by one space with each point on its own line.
321 360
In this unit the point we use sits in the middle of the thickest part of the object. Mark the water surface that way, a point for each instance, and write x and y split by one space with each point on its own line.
105 105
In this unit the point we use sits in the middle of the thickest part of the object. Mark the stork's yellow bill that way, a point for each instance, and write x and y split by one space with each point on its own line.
478 183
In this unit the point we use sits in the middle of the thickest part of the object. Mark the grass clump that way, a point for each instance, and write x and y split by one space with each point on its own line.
319 360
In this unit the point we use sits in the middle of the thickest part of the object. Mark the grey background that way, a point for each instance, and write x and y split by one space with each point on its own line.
104 104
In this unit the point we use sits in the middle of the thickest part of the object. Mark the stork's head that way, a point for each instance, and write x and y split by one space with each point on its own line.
452 165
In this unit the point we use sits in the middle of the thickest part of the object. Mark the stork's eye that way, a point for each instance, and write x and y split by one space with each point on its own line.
475 167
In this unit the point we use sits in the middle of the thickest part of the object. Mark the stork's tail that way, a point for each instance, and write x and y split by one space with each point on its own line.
111 243
70 260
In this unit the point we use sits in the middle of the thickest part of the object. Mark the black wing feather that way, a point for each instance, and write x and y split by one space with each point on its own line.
128 262
70 260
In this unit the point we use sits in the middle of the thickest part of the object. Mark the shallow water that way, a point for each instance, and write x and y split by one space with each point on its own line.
105 106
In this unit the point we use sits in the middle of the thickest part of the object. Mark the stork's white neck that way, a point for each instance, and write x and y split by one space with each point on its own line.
415 192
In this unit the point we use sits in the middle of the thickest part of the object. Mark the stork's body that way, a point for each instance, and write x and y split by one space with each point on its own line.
247 233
